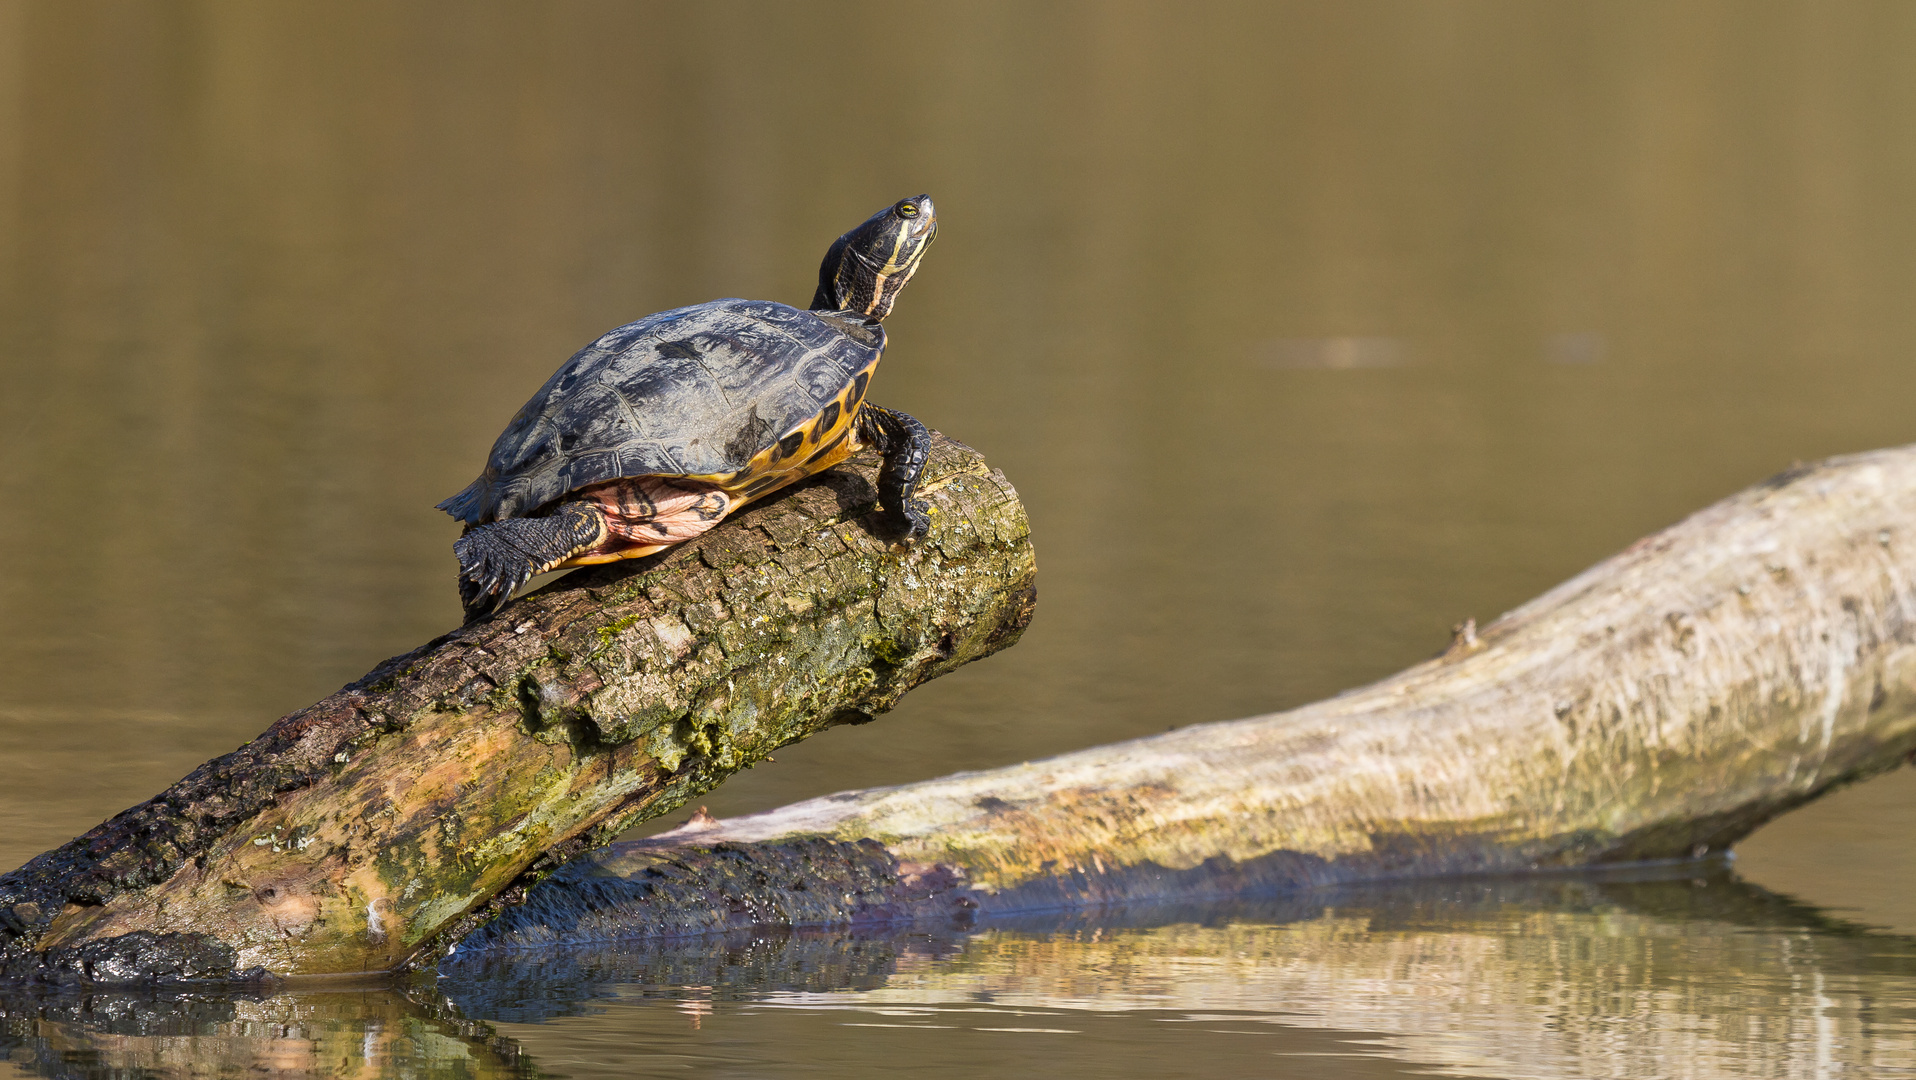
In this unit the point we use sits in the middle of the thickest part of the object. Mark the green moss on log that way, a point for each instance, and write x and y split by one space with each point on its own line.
355 833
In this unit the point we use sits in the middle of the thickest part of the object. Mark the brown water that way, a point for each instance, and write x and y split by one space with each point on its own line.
1306 330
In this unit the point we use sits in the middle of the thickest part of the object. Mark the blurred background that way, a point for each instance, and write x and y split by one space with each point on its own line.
1305 330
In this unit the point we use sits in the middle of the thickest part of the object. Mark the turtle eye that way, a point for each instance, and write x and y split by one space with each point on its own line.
906 209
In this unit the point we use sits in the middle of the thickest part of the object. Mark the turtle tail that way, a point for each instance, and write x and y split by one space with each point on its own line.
465 505
498 557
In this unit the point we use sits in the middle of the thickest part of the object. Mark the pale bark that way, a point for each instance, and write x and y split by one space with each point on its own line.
1658 706
361 833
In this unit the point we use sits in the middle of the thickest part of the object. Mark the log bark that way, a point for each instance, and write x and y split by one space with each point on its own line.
359 834
1660 705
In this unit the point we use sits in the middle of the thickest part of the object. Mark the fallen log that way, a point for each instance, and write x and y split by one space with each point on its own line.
1660 705
363 832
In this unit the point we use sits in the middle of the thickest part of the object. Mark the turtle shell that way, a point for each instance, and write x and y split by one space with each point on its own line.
723 392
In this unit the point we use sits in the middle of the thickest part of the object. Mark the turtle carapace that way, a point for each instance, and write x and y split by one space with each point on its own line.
652 434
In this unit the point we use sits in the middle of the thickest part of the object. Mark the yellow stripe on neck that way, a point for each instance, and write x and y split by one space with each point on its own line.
892 266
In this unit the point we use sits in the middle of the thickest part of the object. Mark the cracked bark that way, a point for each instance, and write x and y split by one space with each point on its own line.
1661 705
358 835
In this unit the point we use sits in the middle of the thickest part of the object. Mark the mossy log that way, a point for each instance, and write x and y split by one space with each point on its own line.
1660 705
360 834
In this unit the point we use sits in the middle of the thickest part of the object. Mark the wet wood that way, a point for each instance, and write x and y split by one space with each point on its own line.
361 834
1660 705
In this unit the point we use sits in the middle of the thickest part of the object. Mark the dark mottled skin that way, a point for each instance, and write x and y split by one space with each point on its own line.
695 391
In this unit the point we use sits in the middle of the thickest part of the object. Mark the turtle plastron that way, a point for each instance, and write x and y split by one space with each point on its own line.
647 514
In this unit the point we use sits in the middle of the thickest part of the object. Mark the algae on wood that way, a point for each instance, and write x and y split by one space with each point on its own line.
1660 705
356 835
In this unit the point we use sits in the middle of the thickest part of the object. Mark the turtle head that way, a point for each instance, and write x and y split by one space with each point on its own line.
866 267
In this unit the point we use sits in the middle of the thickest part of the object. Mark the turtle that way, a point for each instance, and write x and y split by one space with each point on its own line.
663 427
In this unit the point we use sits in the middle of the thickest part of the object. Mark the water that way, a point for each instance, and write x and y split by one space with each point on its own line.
1625 974
1305 330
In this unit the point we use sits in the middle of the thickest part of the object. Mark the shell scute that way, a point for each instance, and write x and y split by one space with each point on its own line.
822 377
583 469
696 391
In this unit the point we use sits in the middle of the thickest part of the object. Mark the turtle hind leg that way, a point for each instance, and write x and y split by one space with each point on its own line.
498 557
906 444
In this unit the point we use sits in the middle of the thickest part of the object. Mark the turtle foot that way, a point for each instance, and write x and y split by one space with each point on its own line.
905 444
496 558
907 523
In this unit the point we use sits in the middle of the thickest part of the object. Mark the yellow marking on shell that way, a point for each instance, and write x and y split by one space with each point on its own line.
639 552
766 463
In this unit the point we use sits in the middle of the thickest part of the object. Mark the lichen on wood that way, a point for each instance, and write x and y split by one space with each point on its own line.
360 834
1660 705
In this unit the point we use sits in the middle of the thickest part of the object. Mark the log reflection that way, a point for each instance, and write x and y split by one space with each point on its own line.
309 1034
1613 975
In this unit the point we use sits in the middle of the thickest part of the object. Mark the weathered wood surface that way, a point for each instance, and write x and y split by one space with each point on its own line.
363 832
1660 705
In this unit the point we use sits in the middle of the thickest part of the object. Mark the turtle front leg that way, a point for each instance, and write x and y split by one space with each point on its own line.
906 444
498 557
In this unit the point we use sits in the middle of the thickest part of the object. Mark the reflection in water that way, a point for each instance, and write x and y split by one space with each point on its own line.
315 1034
1571 977
1410 310
1336 353
1583 347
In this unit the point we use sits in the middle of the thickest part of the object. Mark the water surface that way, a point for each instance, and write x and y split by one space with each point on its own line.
1305 330
1616 975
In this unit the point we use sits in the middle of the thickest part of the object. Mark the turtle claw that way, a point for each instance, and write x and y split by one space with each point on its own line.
911 522
496 558
490 571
